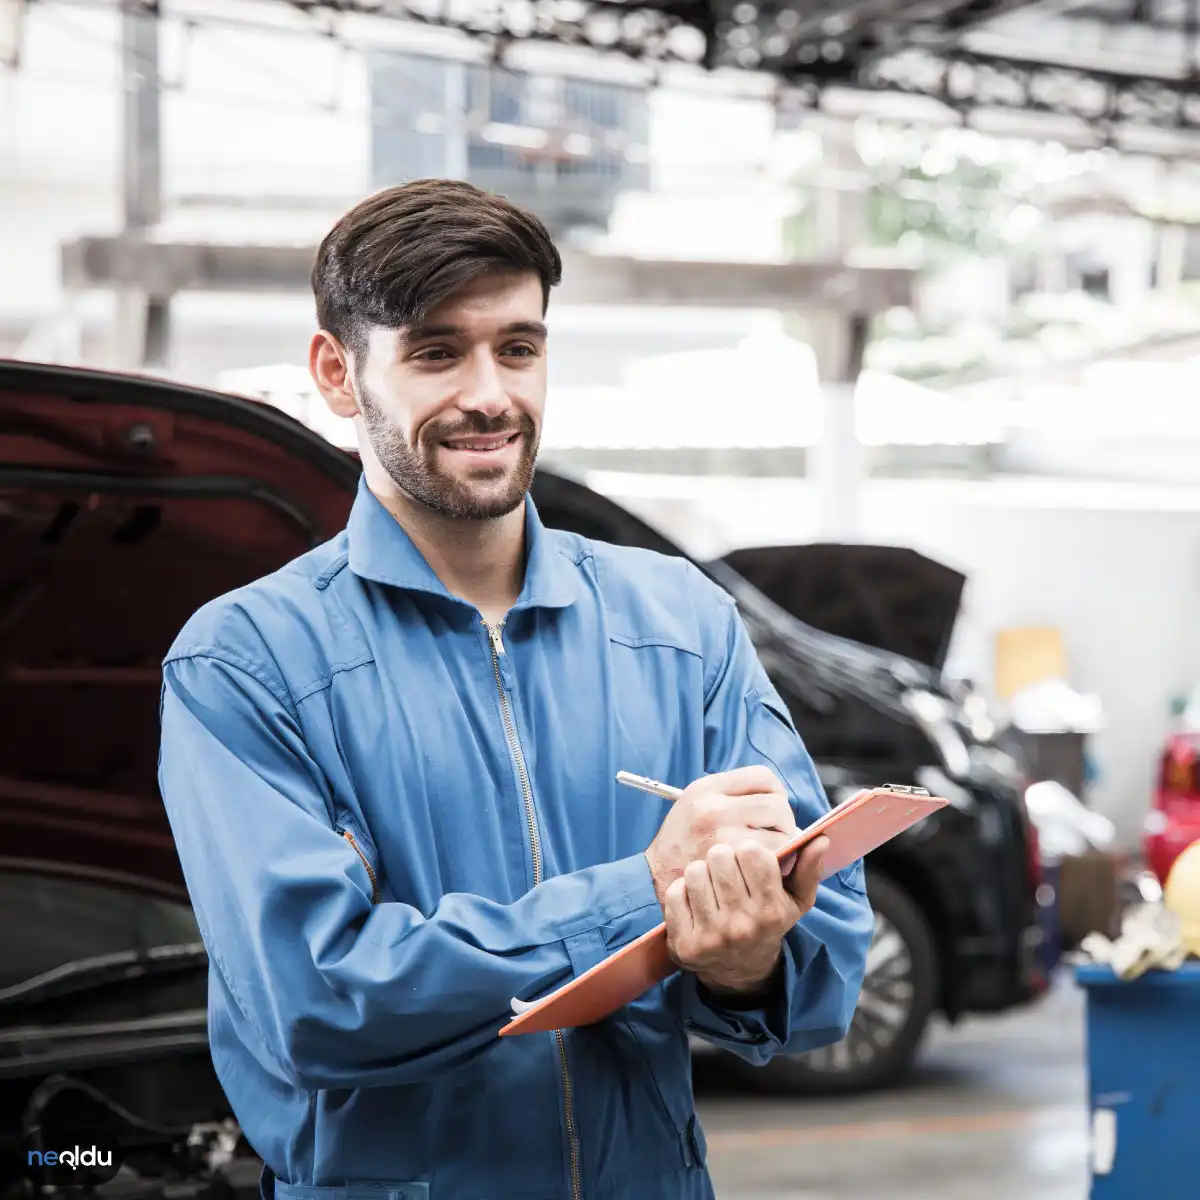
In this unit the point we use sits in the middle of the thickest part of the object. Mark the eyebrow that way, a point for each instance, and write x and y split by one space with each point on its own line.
423 333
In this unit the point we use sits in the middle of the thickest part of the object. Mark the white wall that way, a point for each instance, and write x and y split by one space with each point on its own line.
1115 567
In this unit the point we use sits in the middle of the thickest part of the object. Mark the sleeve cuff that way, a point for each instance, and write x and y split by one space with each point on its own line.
767 1024
632 909
639 910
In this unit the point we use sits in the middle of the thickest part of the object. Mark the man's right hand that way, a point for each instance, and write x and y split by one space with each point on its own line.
732 807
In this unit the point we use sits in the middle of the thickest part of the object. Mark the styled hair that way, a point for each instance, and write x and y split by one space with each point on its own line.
402 251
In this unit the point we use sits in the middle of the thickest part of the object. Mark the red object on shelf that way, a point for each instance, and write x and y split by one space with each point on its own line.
1173 823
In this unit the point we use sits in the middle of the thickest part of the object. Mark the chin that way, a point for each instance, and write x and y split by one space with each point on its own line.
486 503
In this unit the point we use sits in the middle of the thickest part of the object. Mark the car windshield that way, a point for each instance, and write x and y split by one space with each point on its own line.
53 921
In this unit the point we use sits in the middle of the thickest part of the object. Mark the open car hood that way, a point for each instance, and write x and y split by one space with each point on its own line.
125 504
889 597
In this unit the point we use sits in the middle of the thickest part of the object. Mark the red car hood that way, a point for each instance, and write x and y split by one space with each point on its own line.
126 503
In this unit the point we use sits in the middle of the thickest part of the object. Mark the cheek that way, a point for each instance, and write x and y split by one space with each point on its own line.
528 392
413 398
424 419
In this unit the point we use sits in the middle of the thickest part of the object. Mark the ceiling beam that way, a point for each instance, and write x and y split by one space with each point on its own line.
165 269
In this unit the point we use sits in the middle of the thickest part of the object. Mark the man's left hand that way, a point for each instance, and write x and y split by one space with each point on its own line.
727 916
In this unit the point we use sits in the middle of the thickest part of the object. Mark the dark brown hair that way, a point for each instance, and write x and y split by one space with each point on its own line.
402 251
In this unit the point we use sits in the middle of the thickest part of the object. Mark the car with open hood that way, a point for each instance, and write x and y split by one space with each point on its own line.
128 502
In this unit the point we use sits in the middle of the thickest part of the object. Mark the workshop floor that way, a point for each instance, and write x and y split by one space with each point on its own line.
995 1108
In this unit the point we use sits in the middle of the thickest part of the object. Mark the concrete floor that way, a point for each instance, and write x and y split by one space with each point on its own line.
995 1107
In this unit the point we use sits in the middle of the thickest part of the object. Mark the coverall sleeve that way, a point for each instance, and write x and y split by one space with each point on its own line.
341 992
824 954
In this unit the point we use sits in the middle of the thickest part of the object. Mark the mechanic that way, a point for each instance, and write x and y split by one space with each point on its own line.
389 768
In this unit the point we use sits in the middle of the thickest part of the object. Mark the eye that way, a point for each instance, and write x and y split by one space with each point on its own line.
434 354
520 350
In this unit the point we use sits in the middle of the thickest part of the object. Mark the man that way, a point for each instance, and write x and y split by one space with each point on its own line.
390 771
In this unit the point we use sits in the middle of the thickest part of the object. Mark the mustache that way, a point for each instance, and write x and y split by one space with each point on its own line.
476 424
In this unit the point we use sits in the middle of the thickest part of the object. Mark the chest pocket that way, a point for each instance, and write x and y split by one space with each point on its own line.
657 723
770 731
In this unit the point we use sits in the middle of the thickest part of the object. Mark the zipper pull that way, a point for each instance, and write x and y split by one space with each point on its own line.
494 634
504 667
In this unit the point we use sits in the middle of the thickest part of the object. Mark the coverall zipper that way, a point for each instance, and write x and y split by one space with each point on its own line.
514 745
366 863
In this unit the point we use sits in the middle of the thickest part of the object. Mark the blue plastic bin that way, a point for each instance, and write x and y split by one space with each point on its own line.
1143 1045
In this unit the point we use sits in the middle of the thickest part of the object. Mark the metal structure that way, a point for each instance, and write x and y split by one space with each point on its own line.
1108 61
163 269
1100 61
782 37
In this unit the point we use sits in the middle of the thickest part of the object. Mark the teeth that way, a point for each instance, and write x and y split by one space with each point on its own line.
480 445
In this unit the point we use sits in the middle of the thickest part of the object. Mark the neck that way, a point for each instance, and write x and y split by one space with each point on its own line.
481 562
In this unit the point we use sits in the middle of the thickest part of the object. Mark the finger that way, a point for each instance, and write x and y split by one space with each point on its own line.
700 894
726 875
815 852
677 911
803 881
760 870
774 907
747 781
770 839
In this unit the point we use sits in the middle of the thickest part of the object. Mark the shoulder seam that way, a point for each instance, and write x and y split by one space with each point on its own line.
574 547
585 551
326 680
256 670
326 577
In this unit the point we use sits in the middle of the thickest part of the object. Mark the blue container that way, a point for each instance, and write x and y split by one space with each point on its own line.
1143 1041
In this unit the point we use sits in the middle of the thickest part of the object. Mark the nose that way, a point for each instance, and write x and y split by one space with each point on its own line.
483 390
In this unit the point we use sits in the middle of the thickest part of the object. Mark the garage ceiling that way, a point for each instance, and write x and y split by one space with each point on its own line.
1104 61
819 39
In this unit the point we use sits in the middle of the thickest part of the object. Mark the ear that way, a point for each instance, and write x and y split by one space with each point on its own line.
332 369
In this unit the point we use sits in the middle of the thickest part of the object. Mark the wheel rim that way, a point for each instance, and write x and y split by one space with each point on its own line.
884 1005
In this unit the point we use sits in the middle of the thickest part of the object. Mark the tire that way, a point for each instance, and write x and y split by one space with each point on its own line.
906 979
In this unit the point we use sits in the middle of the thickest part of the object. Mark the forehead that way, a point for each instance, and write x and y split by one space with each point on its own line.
494 297
480 309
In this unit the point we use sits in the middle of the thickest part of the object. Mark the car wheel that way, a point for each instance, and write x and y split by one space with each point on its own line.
898 995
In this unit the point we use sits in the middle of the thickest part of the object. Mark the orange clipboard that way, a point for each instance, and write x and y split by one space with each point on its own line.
854 828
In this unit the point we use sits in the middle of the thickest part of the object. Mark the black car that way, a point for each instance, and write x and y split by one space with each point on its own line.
125 504
854 637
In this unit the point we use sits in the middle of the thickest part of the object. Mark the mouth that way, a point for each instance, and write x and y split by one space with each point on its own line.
482 447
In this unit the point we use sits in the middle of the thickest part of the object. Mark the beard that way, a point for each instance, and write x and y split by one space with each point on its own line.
484 495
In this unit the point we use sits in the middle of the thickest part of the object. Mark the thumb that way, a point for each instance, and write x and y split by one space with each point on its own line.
810 859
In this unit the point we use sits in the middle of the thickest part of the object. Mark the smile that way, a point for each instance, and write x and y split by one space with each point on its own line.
481 444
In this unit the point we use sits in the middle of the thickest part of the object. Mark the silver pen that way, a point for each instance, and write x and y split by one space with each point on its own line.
663 790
